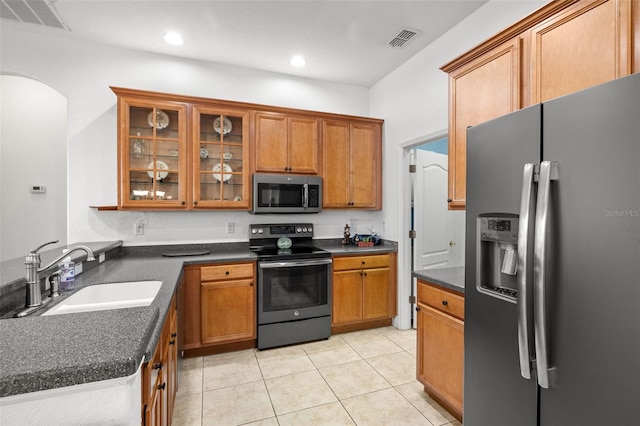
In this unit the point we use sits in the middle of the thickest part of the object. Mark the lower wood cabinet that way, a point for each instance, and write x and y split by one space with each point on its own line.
440 351
364 291
160 374
220 306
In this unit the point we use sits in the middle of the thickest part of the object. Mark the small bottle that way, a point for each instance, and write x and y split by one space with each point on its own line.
67 274
346 234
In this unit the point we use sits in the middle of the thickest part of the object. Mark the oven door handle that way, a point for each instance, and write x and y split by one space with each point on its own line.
292 264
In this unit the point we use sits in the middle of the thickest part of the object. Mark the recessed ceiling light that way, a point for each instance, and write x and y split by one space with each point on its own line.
173 38
298 61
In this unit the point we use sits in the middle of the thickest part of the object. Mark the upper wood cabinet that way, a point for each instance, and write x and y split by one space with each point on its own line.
220 158
587 44
352 164
482 89
286 144
564 47
152 153
179 152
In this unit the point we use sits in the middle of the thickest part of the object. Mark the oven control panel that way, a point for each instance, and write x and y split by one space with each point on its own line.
281 230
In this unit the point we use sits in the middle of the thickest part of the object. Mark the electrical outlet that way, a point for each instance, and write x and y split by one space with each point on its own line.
231 227
138 228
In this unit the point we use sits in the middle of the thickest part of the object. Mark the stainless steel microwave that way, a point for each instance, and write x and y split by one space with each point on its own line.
274 193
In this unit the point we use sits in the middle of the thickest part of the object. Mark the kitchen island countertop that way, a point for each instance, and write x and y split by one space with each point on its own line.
451 278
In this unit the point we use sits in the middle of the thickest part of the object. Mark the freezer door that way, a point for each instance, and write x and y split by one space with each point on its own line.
495 393
593 247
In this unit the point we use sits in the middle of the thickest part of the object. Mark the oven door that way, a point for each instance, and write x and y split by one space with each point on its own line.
293 290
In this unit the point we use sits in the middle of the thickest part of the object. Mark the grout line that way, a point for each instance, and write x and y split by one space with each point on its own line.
362 358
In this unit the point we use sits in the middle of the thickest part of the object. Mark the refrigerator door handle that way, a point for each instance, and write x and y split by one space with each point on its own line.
522 272
548 172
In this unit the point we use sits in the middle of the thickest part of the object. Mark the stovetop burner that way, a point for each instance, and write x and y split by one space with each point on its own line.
263 241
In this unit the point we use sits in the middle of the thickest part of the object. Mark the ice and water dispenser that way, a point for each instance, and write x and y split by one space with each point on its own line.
497 255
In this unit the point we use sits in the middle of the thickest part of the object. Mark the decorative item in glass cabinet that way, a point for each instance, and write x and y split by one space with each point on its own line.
138 146
223 128
160 165
161 119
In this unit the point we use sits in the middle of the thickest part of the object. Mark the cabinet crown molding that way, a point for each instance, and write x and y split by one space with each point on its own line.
540 15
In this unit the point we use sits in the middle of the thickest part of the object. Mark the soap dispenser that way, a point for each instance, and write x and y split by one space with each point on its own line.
67 274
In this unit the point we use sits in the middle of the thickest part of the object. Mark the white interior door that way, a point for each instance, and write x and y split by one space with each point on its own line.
438 239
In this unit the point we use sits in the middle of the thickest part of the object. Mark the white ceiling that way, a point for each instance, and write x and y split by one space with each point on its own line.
343 41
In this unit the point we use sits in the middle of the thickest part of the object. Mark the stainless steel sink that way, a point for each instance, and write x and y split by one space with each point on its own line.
102 297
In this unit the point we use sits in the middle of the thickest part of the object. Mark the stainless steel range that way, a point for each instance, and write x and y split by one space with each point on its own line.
294 285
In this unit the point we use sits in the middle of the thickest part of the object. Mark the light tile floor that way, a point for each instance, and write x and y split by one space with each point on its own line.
360 378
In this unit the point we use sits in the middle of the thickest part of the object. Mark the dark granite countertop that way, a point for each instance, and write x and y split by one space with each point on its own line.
39 353
336 248
451 278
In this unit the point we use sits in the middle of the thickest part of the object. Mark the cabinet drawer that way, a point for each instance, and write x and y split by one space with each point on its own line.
441 299
361 262
225 272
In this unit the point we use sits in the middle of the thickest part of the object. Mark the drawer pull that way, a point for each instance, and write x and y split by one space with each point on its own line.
445 303
172 342
157 366
174 334
162 386
226 273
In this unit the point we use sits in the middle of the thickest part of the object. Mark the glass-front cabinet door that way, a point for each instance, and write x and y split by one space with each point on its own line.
153 155
220 158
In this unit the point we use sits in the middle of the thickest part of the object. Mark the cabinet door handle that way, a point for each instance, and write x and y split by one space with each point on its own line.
174 334
157 366
183 202
445 303
172 342
162 386
226 273
417 308
251 284
449 200
195 203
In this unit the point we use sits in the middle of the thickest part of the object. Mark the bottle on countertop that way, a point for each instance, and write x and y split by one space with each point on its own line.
67 274
347 234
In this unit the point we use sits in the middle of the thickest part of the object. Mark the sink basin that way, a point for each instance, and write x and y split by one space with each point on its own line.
102 297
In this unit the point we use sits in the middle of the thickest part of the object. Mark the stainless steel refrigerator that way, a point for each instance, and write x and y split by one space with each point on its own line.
552 291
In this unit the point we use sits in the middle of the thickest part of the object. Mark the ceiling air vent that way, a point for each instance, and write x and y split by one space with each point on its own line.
403 36
37 12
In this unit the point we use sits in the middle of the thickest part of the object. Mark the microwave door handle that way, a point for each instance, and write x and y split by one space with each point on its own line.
305 195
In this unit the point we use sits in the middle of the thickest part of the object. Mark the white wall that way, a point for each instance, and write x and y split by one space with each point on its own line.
84 71
413 100
33 151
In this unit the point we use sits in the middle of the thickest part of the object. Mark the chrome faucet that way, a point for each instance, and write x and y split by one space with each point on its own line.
33 299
